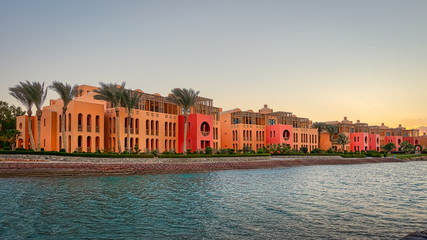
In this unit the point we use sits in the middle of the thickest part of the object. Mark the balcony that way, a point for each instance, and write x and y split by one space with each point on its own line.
97 129
136 130
147 131
79 128
205 133
131 130
89 129
157 132
89 149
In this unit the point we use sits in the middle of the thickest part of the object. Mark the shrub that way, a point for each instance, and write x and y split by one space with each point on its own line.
260 150
330 150
62 150
6 148
208 150
303 149
42 149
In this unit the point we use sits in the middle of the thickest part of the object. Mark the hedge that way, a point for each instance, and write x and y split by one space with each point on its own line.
313 154
353 155
92 155
211 155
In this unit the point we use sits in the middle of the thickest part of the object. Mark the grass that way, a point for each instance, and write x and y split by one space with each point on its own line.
407 156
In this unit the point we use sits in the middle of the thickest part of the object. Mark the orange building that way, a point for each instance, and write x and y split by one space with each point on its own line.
91 124
265 127
367 138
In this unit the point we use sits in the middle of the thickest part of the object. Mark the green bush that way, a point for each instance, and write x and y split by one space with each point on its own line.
353 155
62 150
75 154
208 150
213 155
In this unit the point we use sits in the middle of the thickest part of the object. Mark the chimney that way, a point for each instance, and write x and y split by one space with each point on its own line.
265 105
400 125
345 118
382 124
358 121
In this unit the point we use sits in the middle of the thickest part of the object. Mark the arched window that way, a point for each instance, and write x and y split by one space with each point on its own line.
152 127
157 128
80 122
137 126
114 125
89 121
69 144
147 144
69 122
60 123
110 124
170 129
147 127
97 143
60 142
152 144
174 131
166 130
97 123
88 144
79 143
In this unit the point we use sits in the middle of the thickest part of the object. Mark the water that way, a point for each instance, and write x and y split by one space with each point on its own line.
371 201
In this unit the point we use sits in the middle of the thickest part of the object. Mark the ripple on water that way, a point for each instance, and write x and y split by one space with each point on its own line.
376 201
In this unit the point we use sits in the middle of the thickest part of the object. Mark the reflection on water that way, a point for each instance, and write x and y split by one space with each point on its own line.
379 201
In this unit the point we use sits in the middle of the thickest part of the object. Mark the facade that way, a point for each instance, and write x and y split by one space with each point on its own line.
265 127
369 138
91 125
158 124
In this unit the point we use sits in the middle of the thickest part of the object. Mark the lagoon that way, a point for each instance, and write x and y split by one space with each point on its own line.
375 201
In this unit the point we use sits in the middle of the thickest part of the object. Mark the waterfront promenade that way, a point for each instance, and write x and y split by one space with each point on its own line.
13 166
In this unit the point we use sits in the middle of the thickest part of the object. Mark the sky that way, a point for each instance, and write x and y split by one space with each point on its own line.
364 59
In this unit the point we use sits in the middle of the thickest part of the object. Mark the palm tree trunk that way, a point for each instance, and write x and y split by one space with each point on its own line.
64 139
30 131
39 119
318 138
119 147
128 140
184 151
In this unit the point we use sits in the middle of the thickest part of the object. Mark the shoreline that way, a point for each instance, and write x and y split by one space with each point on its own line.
46 168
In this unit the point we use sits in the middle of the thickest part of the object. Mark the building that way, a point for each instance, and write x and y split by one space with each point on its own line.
369 138
91 125
265 127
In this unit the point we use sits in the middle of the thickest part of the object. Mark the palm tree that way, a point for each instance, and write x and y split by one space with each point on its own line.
21 93
342 140
67 93
130 101
112 93
184 98
38 96
320 127
332 130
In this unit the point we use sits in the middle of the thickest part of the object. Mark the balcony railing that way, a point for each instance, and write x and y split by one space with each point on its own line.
88 149
131 130
136 130
97 129
126 130
147 131
157 132
205 133
79 149
79 128
89 129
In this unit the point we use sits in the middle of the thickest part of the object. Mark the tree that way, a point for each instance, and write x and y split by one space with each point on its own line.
389 147
332 130
38 96
342 140
67 93
320 127
22 93
113 94
10 137
185 99
406 147
8 116
130 101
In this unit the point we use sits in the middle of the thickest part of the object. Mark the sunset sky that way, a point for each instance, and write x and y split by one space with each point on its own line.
323 60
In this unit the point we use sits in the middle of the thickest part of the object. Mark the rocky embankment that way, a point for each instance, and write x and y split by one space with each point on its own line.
421 235
50 166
